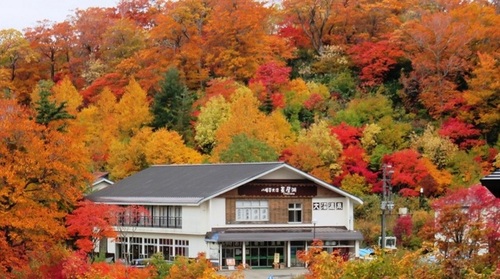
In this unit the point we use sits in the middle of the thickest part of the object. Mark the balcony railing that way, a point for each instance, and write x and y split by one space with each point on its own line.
155 221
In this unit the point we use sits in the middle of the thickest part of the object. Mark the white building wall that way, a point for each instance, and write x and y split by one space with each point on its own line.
331 211
282 174
195 219
217 212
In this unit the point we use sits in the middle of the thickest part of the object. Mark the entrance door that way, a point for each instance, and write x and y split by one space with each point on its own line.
295 247
261 254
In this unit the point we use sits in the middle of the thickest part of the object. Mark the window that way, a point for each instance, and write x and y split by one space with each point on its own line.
295 213
181 247
252 211
159 216
166 248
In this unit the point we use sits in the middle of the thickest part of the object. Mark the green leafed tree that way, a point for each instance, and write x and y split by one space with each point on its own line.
48 111
211 116
172 105
246 149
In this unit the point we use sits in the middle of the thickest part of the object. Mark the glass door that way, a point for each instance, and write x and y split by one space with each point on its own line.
295 247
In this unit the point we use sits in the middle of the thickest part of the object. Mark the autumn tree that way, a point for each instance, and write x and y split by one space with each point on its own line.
141 12
100 123
464 135
403 229
132 110
146 148
441 46
237 35
322 264
120 41
317 152
482 105
90 223
369 109
375 60
43 40
65 91
246 118
91 24
271 76
212 115
433 146
408 170
40 181
201 268
465 220
314 18
168 147
14 48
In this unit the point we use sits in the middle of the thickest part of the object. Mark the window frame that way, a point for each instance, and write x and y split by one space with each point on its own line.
295 213
252 210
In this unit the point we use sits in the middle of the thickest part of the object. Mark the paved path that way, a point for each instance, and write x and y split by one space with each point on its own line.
285 273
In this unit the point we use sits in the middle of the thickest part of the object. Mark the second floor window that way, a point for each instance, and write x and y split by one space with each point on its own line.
295 213
252 210
153 216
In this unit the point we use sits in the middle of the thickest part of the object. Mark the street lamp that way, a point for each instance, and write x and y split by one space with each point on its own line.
421 200
314 229
387 202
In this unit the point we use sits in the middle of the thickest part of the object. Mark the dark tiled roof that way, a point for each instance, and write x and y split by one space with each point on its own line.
492 182
182 184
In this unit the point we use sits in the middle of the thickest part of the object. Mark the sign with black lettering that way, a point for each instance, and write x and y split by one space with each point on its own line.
328 205
284 190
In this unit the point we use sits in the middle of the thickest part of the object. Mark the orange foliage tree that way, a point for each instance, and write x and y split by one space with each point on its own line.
237 36
40 182
322 264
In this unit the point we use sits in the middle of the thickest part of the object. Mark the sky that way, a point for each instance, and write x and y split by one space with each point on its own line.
20 14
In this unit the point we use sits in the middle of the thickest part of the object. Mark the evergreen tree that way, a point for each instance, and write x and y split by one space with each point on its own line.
172 105
48 111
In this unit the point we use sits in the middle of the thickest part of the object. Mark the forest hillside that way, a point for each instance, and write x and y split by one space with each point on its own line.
334 88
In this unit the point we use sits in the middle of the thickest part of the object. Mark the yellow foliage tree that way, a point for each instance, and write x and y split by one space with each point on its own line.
100 123
215 112
65 91
167 147
434 147
246 118
317 152
147 148
369 140
132 110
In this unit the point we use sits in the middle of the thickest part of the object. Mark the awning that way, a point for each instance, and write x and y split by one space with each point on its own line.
289 234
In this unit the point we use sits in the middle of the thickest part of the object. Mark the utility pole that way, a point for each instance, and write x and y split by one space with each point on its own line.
387 203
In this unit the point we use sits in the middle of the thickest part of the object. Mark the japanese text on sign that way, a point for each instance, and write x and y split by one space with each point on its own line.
328 205
285 190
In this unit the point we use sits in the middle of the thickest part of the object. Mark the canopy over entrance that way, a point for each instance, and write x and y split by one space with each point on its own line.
282 234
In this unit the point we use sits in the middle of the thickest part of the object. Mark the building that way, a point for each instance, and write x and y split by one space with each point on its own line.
492 182
101 181
253 213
